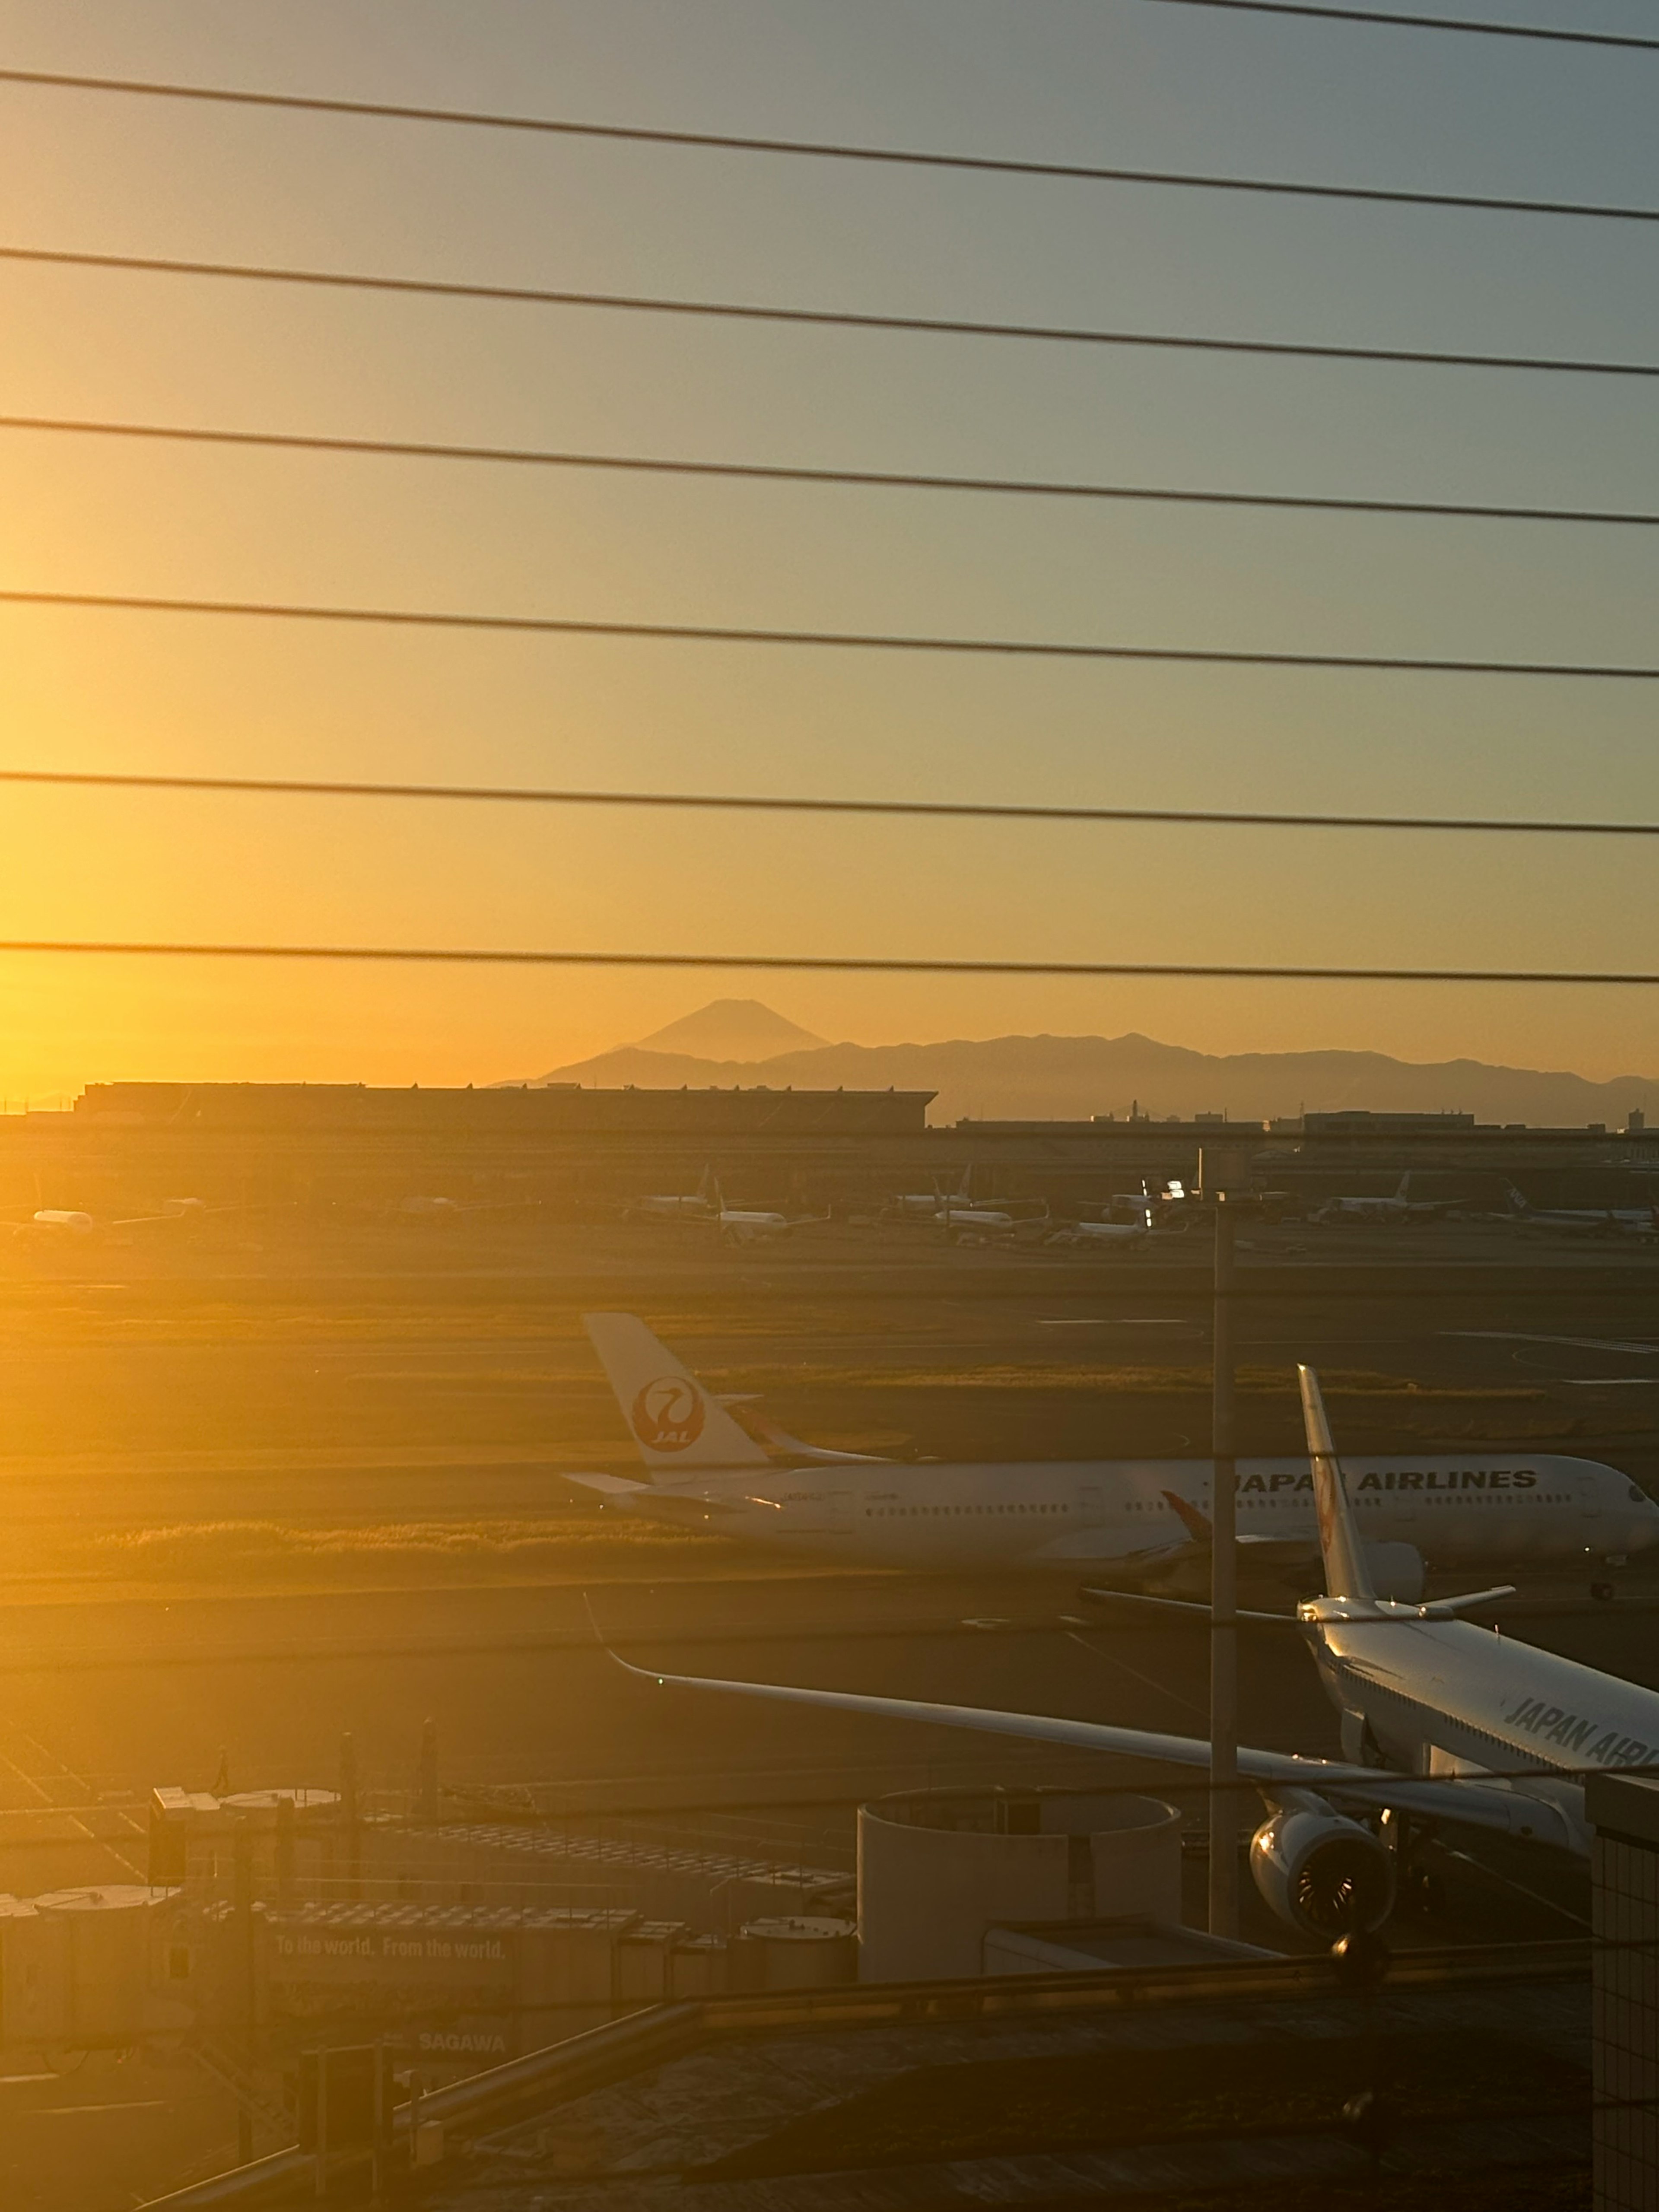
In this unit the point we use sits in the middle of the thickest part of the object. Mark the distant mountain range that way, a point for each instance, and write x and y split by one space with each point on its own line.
1072 1078
731 1028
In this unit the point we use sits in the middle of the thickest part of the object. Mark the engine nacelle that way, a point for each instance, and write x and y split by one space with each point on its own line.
1323 1874
1396 1571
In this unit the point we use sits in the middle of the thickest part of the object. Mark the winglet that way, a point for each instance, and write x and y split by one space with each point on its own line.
616 1659
1198 1525
1447 1609
1345 1571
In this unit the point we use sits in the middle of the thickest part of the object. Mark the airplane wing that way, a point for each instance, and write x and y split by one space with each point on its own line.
609 1485
1488 1804
767 1431
662 1504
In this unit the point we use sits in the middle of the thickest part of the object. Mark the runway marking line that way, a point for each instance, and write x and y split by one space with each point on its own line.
85 1791
1578 1343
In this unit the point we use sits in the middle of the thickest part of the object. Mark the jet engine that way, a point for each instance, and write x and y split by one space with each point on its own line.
1323 1874
1396 1571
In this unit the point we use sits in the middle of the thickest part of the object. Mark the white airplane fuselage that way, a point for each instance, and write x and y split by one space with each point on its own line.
1071 1515
1445 1698
737 1225
974 1221
746 1226
1609 1221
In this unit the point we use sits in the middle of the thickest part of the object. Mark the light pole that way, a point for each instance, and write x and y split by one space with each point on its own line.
1224 1597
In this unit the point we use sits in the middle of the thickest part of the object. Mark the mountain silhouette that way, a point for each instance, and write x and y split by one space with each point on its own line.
731 1028
1074 1078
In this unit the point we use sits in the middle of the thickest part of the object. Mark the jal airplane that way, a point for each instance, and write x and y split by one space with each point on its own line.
1124 1523
1442 1723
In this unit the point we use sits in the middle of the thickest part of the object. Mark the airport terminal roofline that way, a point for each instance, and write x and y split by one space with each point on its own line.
500 1109
755 1110
1390 1129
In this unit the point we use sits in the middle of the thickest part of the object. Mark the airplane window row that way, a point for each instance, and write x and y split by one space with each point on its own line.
912 1512
1249 1504
1246 1504
1418 1498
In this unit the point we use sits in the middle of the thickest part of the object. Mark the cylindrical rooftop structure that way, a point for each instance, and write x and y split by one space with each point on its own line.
938 1867
801 1951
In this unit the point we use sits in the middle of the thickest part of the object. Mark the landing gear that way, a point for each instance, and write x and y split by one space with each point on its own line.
1418 1889
1421 1891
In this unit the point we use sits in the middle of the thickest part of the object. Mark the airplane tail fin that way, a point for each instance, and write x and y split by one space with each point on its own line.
674 1420
1346 1573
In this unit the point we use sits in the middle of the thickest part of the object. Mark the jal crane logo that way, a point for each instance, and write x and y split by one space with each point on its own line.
668 1414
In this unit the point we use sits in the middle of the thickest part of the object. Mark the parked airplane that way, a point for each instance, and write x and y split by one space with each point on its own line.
68 1221
1122 1235
955 1211
424 1205
737 1225
697 1204
1128 1221
1442 1722
925 1205
973 1224
1395 1208
1584 1220
750 1224
1127 1522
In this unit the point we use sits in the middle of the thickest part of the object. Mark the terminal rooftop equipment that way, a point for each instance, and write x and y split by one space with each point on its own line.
273 1917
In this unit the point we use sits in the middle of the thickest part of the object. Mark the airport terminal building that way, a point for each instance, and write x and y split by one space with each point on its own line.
583 1153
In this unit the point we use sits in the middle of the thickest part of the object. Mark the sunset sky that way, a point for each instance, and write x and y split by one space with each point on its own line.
1118 81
